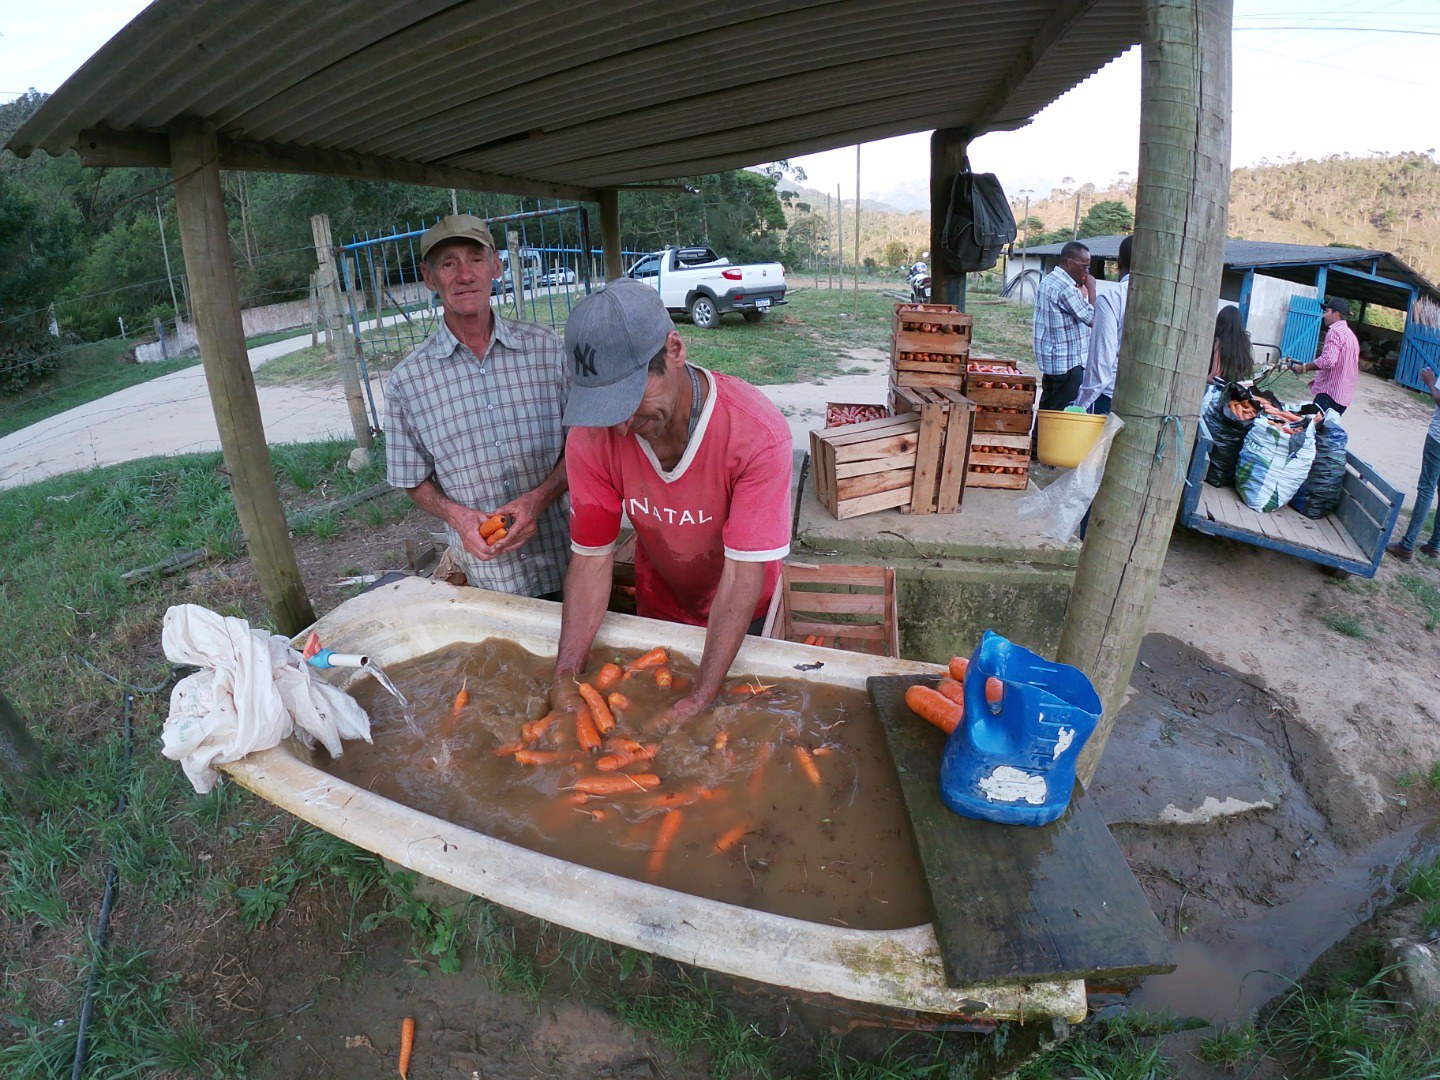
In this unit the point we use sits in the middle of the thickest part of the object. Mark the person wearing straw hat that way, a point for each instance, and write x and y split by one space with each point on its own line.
472 421
1339 361
699 461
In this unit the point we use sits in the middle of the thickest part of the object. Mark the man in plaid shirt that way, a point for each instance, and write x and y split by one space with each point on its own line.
1064 311
472 421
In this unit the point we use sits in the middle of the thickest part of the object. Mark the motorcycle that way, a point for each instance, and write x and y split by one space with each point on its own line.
919 281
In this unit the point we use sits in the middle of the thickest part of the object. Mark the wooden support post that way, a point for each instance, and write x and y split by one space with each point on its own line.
200 206
1180 217
610 233
342 340
947 155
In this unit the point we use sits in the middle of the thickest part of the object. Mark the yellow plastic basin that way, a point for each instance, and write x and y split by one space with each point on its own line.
1063 438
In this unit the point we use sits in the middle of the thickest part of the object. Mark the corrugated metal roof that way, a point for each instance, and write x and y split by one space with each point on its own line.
564 95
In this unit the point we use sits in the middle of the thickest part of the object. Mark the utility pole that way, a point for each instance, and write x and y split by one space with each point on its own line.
840 238
347 349
1025 241
1075 233
857 231
165 250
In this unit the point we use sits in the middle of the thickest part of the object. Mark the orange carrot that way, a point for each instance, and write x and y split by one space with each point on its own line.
595 815
618 759
622 745
757 774
544 757
671 799
663 839
574 798
664 677
729 838
953 690
958 664
462 698
497 536
994 690
608 676
807 764
407 1045
756 688
585 729
620 784
722 738
495 523
680 684
600 712
654 658
934 707
508 749
617 702
532 730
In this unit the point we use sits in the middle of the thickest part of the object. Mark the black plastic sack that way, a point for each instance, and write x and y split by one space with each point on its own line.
1227 434
1320 494
978 222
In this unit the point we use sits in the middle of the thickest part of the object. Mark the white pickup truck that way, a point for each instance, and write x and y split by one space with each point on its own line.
698 281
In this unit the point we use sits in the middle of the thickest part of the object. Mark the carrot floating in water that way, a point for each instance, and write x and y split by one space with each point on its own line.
934 707
544 757
532 730
585 730
953 690
994 691
670 799
729 838
618 784
669 826
600 713
595 815
574 798
722 738
664 677
407 1045
654 658
608 676
508 749
618 759
617 701
679 684
757 776
807 764
750 688
958 664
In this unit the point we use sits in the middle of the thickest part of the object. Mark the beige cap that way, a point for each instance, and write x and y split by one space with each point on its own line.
456 227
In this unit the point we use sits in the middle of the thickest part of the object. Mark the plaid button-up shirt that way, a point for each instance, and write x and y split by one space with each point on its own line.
486 429
1062 323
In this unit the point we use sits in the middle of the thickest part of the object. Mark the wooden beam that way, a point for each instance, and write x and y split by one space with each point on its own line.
215 294
100 147
1057 29
1180 214
342 341
947 155
610 233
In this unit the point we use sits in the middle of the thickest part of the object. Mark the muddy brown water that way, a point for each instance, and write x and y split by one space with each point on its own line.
752 827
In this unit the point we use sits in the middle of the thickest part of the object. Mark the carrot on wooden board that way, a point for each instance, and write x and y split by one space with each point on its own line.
729 838
407 1045
934 707
957 666
669 826
586 732
617 783
807 764
654 658
607 676
953 690
600 713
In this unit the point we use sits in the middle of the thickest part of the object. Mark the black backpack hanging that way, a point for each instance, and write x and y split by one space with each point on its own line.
978 222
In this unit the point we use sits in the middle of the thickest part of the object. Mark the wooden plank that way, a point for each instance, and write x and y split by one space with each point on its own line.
861 468
1016 903
1018 442
1014 423
831 603
927 459
958 427
803 628
997 480
847 433
904 363
835 574
925 378
854 487
999 399
885 500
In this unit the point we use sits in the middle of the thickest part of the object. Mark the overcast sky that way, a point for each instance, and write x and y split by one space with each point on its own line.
1311 78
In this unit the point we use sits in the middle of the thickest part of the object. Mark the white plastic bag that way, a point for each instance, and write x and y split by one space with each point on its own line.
253 691
1065 501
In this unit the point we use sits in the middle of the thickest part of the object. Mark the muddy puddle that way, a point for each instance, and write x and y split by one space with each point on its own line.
784 801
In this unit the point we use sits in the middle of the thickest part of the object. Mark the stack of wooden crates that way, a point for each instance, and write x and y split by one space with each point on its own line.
929 347
1004 410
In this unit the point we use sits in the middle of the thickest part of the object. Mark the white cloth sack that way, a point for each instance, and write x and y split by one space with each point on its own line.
254 691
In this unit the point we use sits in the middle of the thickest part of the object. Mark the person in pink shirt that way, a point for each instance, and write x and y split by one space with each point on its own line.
699 462
1339 361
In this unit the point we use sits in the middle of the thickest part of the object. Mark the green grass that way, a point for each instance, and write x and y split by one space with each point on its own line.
1421 594
87 372
1344 624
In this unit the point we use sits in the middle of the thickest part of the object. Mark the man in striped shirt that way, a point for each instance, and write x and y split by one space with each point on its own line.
1339 361
1064 310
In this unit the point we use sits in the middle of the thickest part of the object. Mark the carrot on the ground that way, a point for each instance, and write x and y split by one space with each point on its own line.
729 838
617 784
585 731
957 667
664 677
934 707
607 676
599 712
508 749
953 690
663 839
807 764
407 1045
654 658
617 700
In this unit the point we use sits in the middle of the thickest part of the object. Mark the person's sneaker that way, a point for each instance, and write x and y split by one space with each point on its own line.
1430 551
1403 554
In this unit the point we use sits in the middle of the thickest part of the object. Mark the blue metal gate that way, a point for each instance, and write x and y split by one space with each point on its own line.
1419 349
1302 329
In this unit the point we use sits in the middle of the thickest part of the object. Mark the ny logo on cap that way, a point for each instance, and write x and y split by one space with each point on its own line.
584 360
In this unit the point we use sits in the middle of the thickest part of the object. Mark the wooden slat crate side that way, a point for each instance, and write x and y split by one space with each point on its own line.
814 602
997 480
979 457
837 574
927 378
1017 442
855 487
928 454
848 469
935 314
1008 423
959 424
913 362
992 398
869 504
848 433
849 606
883 447
917 341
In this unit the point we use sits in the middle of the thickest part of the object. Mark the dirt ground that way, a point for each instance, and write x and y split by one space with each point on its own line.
1241 652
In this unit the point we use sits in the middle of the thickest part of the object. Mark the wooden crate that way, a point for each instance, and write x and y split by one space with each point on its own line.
877 412
945 344
984 452
862 468
942 453
949 377
1003 402
848 607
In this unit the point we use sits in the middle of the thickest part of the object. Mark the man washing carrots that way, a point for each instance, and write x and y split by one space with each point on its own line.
699 461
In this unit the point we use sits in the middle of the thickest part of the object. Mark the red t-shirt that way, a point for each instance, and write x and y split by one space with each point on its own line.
739 458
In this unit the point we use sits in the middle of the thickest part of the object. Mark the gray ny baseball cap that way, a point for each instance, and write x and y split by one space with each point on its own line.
610 338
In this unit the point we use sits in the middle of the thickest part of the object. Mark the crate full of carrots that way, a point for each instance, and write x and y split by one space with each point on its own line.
998 460
836 607
929 344
1004 397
